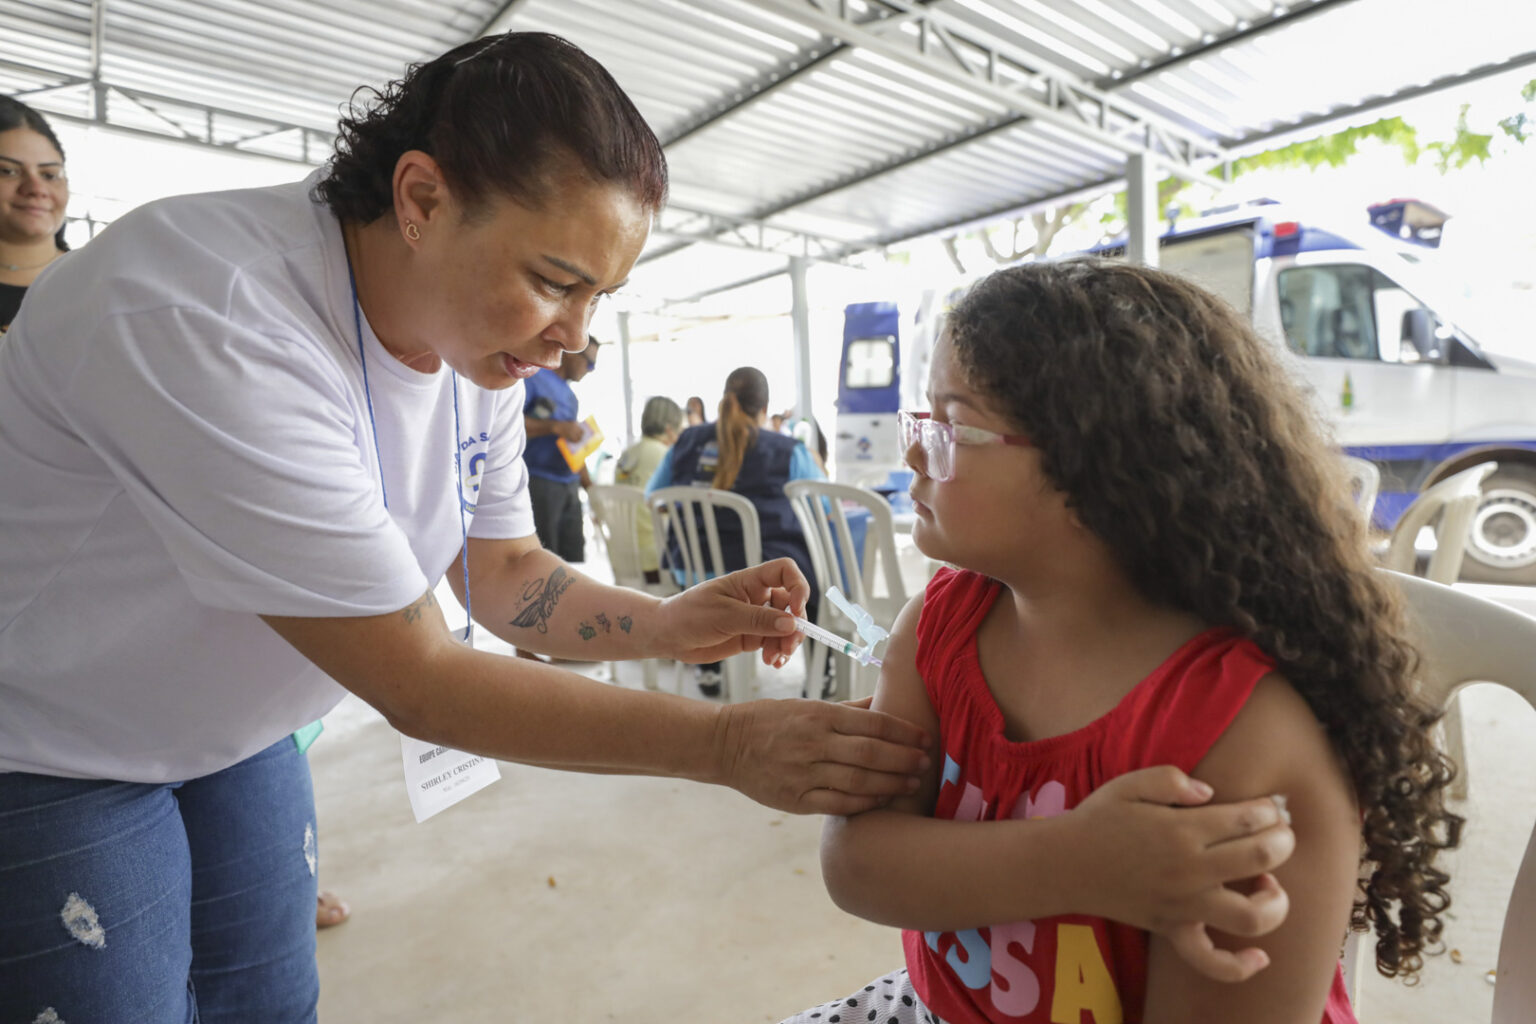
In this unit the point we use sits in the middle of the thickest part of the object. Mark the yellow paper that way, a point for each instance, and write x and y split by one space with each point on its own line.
591 438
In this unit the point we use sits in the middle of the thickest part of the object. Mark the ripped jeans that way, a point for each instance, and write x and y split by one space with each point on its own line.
180 903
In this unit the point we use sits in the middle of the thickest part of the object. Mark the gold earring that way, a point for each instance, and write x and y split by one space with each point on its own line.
412 231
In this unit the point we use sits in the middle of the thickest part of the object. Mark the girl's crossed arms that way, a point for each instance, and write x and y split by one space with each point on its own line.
1159 564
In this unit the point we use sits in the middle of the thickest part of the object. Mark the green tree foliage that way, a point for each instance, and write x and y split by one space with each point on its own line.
1521 126
1332 150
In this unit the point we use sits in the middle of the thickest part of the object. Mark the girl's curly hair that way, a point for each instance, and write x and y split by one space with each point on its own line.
1180 441
503 116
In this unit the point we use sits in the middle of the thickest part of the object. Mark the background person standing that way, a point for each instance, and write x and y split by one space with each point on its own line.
33 196
549 414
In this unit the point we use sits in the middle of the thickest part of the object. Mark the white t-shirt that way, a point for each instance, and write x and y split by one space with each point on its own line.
185 442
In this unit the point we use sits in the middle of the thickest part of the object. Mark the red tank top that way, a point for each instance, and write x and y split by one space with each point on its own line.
1072 968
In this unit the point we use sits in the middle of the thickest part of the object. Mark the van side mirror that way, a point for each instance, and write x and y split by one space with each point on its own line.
1419 337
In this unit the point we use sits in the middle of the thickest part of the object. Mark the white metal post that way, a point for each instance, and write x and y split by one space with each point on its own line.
629 384
800 316
1141 208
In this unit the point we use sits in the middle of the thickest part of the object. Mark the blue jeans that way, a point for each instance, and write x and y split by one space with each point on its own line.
160 903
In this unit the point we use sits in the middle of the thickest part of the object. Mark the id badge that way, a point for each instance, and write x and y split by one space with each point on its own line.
438 777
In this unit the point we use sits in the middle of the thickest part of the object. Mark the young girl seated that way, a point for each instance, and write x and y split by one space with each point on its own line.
1158 563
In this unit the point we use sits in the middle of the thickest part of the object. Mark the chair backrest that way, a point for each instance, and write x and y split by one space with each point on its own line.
1454 501
854 554
841 560
621 515
685 527
1463 639
1365 478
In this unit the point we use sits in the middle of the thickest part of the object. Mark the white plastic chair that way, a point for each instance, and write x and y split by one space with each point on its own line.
1447 507
1365 478
686 516
1467 639
819 506
623 524
1450 506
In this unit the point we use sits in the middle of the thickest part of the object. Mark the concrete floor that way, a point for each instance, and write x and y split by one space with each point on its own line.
560 897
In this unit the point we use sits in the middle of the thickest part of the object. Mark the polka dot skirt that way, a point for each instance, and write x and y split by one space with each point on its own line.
889 1000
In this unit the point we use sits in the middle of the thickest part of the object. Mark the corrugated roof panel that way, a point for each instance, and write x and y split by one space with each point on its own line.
56 35
1334 61
768 109
659 49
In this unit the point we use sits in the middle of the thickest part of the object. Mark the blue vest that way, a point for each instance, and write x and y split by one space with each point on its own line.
764 472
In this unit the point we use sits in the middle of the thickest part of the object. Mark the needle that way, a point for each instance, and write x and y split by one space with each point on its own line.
835 642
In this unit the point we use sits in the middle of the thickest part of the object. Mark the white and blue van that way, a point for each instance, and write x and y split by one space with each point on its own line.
1402 383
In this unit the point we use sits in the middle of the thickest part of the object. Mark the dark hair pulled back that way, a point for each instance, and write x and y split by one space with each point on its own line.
16 114
501 115
1180 441
745 398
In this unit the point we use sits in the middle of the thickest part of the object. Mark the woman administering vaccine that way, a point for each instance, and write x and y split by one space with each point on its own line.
243 435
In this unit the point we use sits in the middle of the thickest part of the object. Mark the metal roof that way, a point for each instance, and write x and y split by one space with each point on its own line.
819 128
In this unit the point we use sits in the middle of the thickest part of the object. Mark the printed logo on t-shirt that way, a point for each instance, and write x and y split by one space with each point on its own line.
709 460
472 452
1050 972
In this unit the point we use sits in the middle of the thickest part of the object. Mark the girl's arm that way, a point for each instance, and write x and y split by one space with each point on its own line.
1127 853
1276 745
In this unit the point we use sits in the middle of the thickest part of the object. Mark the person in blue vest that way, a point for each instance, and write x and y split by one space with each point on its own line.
739 453
549 414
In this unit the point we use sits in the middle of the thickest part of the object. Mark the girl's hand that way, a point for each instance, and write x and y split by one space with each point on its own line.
1166 860
743 611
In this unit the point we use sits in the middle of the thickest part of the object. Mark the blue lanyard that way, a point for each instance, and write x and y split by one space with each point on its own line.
458 469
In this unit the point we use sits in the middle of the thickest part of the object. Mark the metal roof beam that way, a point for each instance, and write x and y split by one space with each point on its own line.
775 78
948 48
757 90
98 50
741 233
210 118
880 25
1259 25
767 275
1249 142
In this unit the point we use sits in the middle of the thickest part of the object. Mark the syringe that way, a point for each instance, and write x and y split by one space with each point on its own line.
835 642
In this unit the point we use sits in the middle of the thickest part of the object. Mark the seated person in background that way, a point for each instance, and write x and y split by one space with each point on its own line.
660 423
1159 563
804 430
738 453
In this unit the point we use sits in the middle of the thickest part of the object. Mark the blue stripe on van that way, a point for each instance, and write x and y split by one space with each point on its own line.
1406 467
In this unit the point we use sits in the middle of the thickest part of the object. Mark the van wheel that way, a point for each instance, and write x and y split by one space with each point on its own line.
1502 545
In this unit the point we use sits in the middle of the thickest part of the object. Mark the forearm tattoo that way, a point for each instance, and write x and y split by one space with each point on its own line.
587 631
541 597
412 611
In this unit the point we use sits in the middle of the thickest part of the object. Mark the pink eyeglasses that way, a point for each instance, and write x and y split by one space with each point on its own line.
936 441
